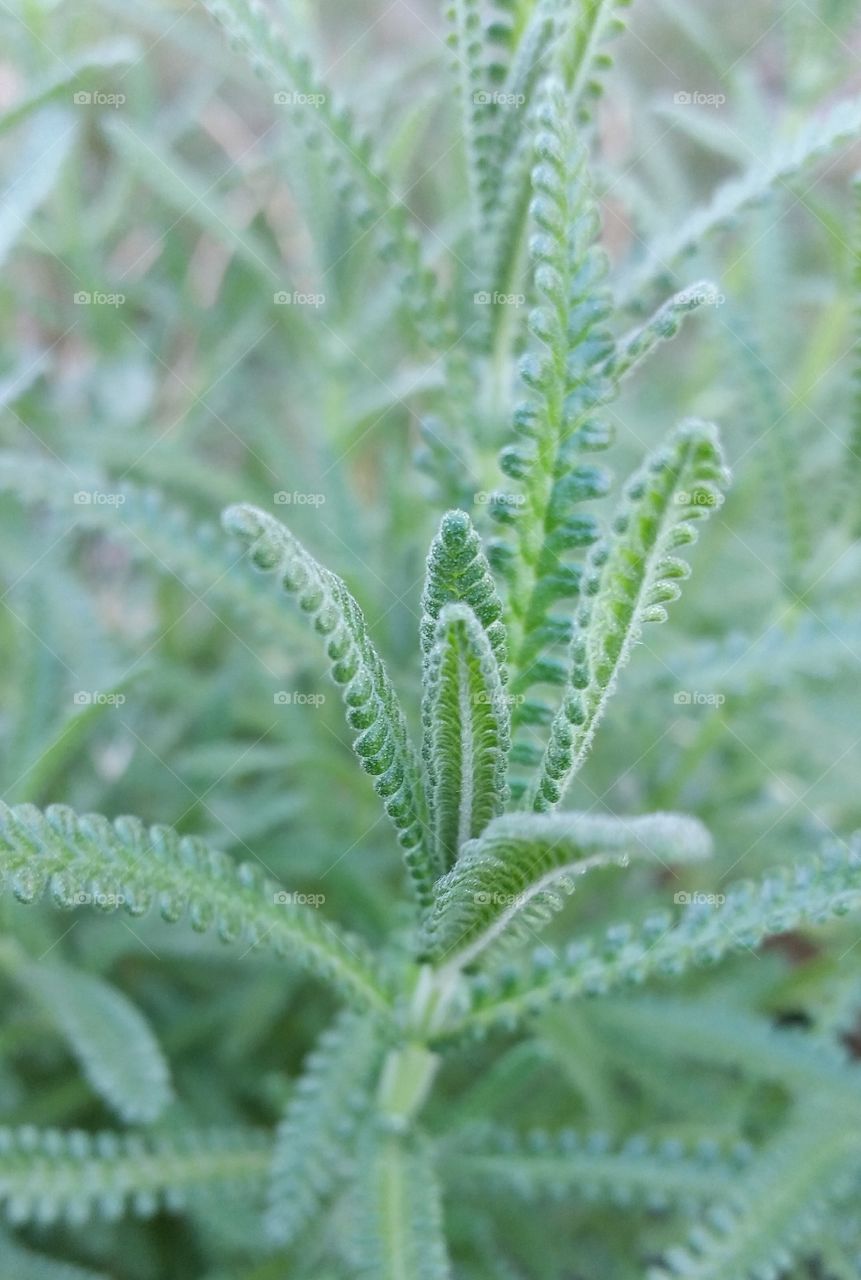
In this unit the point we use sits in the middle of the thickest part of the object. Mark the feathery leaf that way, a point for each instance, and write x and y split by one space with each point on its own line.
87 859
372 709
627 582
399 1232
467 732
657 1174
313 1145
517 872
703 933
49 1174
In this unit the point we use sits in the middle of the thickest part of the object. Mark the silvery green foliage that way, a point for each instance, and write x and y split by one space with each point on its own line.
313 1149
114 1045
467 732
47 1175
629 578
514 876
470 744
123 865
372 708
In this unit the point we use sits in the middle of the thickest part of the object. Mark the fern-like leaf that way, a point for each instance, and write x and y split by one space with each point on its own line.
399 1212
467 732
628 581
809 894
778 1209
458 572
559 40
813 141
382 744
517 873
110 1038
635 347
653 1173
87 859
48 1174
362 185
314 1139
568 380
581 60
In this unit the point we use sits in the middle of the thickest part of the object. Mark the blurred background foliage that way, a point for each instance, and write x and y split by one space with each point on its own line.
182 201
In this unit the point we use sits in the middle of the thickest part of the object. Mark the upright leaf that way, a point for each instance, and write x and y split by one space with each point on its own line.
467 732
399 1224
372 709
313 1145
568 379
628 580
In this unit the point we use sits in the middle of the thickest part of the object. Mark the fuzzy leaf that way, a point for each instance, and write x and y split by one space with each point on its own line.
650 1172
110 1038
372 709
638 345
458 572
467 732
627 582
48 1174
517 873
569 379
703 933
813 141
778 1209
89 860
314 1139
399 1212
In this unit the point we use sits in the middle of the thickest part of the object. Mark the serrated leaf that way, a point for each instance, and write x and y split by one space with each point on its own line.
518 872
49 1174
467 732
313 1145
399 1229
372 709
88 860
628 580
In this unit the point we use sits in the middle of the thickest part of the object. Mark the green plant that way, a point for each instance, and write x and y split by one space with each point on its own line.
460 1061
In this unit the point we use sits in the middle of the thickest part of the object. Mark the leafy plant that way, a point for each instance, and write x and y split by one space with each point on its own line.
410 1086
